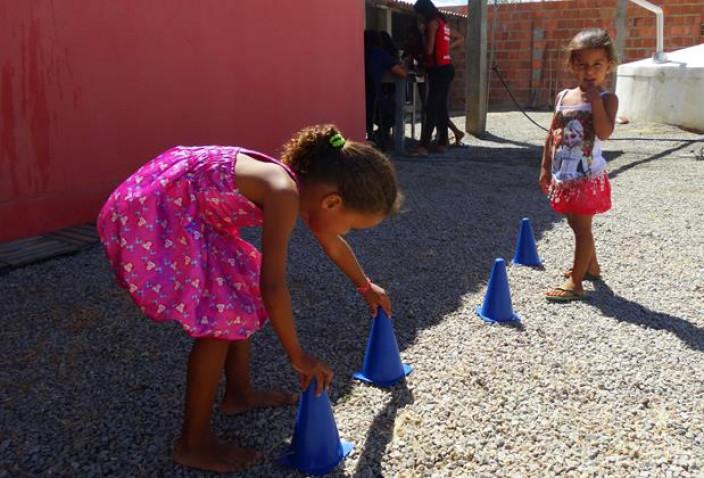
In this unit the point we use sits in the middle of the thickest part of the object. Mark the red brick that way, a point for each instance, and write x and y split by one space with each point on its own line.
648 21
689 9
513 45
684 30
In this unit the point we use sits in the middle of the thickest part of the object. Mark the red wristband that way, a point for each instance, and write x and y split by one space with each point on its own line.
365 288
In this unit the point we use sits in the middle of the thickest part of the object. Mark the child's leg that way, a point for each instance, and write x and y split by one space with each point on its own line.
239 394
584 248
583 254
456 131
593 267
198 447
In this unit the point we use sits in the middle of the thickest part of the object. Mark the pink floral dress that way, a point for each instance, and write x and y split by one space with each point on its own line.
172 234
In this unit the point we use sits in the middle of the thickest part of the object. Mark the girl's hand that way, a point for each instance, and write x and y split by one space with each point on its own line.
544 180
591 92
376 297
310 368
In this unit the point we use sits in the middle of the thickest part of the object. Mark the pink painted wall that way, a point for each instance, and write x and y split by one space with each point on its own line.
91 89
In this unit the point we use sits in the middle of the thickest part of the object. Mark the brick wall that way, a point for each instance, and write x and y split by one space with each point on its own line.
529 39
457 88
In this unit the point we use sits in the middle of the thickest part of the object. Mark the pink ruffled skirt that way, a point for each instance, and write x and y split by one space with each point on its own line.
587 196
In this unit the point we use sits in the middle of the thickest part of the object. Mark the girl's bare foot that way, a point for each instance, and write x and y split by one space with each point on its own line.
458 137
213 455
235 404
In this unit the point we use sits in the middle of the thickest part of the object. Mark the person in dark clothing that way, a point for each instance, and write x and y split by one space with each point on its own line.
378 61
387 43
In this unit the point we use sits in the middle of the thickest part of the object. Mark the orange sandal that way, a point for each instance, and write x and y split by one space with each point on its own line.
568 295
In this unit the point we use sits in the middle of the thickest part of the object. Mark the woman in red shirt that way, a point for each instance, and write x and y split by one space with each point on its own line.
440 73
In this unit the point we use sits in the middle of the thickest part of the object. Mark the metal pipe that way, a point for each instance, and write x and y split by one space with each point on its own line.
659 56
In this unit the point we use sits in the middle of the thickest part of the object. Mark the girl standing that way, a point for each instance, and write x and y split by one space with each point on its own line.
573 170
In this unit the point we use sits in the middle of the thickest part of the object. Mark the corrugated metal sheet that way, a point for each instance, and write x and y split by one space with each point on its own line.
23 252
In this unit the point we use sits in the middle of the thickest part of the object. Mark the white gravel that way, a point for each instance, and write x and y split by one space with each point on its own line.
610 387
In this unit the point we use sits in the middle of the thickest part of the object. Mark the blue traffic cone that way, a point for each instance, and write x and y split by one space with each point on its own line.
382 360
497 301
316 447
526 251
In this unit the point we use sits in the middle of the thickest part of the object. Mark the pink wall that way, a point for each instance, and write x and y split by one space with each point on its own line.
91 89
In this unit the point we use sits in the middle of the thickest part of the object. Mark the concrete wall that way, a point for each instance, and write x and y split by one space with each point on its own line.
91 89
669 92
529 39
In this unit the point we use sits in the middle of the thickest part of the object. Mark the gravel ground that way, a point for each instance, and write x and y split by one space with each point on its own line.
612 386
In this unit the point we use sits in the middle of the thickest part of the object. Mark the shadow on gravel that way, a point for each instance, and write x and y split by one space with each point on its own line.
614 173
487 136
619 308
462 211
381 431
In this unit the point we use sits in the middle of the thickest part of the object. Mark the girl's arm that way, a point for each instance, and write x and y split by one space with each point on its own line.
399 70
280 211
433 26
455 39
340 252
280 208
546 165
604 112
546 161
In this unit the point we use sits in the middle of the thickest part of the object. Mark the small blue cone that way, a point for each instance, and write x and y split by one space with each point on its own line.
497 301
316 447
526 251
382 360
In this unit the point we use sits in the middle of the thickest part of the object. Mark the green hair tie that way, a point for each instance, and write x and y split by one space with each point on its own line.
337 141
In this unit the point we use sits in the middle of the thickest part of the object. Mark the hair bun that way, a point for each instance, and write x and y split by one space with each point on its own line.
300 152
363 176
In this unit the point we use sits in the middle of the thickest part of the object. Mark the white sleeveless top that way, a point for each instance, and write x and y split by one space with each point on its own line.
577 150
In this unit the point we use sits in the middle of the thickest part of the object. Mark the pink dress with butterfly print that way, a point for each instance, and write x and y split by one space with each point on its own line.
171 233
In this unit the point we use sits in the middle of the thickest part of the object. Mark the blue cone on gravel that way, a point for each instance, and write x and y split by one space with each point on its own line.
316 447
526 250
382 360
497 306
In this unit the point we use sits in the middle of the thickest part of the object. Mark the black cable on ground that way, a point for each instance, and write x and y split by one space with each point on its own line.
498 73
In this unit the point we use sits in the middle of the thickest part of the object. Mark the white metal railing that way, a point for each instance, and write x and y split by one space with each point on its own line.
659 56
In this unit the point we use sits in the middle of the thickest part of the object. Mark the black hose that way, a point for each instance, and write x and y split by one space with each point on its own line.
496 69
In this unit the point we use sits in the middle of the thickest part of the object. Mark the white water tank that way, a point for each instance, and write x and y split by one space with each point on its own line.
671 92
